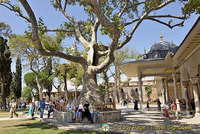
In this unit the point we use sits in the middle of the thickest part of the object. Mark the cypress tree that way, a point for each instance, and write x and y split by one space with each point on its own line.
18 78
5 70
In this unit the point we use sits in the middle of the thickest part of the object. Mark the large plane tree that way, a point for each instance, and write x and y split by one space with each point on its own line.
119 19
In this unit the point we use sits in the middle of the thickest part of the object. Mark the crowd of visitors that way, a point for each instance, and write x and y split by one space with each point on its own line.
86 110
83 110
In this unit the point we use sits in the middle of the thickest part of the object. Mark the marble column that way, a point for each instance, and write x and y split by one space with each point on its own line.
140 91
163 90
167 90
176 91
194 82
185 93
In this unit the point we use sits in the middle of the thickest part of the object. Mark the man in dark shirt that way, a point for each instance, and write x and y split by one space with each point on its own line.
42 106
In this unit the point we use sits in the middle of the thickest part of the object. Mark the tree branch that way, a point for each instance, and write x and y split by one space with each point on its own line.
129 37
37 42
31 66
73 20
94 30
12 8
167 24
59 30
65 5
124 9
156 16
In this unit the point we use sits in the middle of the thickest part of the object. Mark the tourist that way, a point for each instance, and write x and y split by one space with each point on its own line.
72 109
174 109
121 102
0 105
31 111
166 110
33 105
57 104
135 104
159 103
93 112
24 105
52 109
68 106
20 105
193 104
86 111
36 106
61 103
125 102
13 108
148 105
79 111
42 107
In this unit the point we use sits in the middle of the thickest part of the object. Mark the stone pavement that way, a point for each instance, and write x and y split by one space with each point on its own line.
138 122
151 122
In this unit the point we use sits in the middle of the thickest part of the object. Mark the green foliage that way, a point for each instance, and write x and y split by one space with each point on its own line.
102 89
18 78
191 6
74 72
125 55
30 80
44 79
148 89
5 30
5 67
26 93
22 44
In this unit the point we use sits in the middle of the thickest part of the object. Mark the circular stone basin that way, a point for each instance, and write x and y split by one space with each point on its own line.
103 116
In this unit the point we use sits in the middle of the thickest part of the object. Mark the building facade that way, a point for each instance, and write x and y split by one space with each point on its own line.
176 69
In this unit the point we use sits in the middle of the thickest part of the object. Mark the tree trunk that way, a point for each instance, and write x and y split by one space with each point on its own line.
90 91
117 72
105 77
75 96
65 86
39 87
3 93
49 95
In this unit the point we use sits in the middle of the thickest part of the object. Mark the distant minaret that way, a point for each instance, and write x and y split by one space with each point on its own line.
161 37
74 47
172 44
144 50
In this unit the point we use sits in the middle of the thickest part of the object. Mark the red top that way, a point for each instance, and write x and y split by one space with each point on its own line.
173 106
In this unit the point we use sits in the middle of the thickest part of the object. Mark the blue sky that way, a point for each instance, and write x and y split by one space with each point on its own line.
145 36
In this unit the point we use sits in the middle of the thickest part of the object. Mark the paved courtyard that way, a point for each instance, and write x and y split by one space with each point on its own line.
135 122
139 122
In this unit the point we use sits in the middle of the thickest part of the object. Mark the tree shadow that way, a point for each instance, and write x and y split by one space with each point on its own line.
39 124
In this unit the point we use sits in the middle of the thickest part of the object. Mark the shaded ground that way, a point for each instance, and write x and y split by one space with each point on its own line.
28 126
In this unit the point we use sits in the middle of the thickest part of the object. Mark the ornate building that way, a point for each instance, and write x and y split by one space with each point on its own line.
176 69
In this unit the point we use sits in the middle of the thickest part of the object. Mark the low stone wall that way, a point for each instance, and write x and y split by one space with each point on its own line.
109 116
103 116
62 116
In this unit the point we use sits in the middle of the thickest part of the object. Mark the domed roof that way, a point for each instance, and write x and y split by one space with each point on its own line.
160 50
162 45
